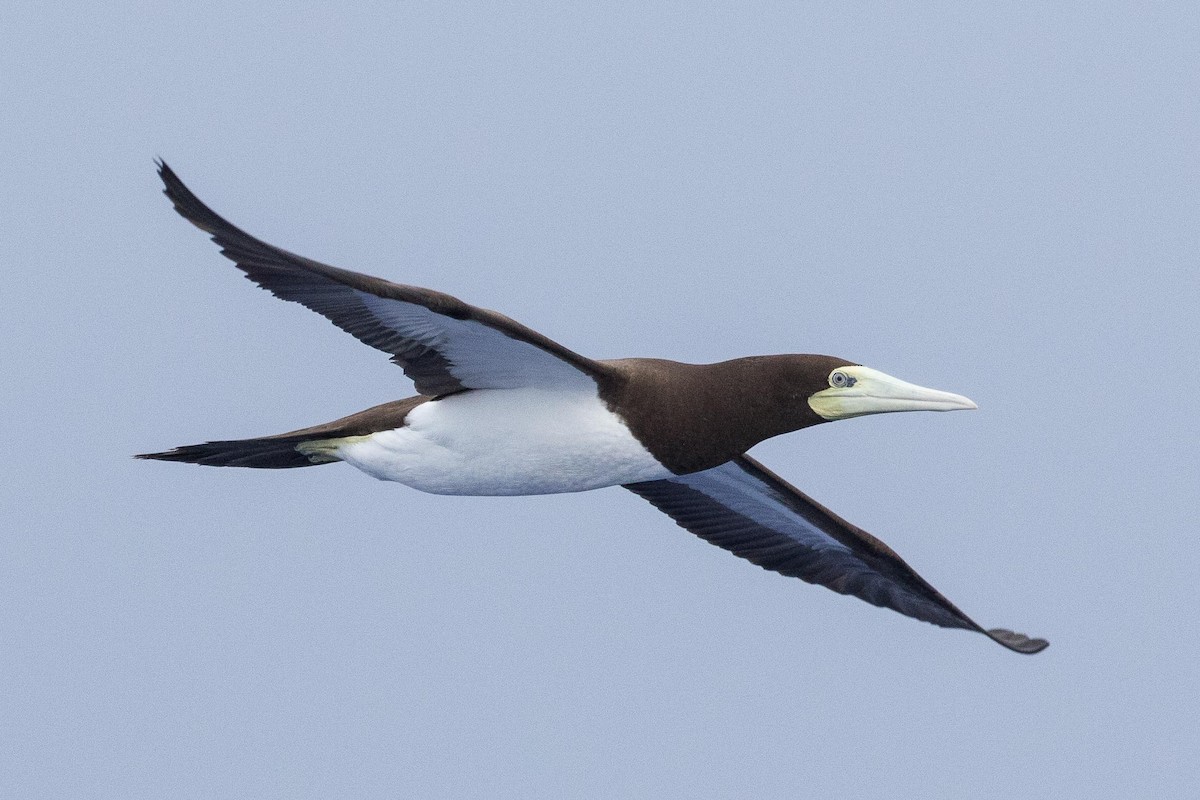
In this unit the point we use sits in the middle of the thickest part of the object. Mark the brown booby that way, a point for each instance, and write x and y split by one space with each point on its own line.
503 410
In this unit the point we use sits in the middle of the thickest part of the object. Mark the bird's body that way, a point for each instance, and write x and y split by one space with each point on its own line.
506 442
503 410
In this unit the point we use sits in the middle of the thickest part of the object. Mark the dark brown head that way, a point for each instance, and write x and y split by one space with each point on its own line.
696 416
789 392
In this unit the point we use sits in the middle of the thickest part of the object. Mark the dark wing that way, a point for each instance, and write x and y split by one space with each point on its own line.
753 513
442 343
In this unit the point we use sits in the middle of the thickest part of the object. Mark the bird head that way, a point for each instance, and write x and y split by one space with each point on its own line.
852 390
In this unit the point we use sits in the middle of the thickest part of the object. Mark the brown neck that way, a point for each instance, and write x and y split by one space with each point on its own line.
695 416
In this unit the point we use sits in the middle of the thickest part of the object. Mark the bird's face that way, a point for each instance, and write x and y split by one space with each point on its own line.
854 391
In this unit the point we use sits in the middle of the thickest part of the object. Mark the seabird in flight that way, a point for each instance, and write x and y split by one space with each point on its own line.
503 410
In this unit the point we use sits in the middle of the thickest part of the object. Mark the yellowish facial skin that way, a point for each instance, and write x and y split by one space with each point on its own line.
858 391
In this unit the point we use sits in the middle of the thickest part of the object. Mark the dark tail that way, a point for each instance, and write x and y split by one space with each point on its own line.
269 452
303 448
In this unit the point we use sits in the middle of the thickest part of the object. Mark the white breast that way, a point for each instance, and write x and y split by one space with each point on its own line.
507 442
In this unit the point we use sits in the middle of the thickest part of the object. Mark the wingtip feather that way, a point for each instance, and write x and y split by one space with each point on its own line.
189 206
1017 642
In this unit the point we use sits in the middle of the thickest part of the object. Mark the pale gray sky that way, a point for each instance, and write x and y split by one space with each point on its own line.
1000 201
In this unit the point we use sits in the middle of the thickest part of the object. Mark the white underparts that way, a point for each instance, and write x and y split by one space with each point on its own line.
506 442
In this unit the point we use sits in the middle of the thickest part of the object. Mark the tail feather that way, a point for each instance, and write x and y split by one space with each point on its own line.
303 448
269 452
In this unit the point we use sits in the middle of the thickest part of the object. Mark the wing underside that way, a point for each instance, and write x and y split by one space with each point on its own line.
746 509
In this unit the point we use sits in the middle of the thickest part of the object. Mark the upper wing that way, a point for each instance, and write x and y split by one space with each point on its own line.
751 512
442 343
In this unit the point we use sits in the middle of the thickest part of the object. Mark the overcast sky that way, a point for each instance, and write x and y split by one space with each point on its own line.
997 201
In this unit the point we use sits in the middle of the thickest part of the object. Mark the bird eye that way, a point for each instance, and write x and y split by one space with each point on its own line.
841 380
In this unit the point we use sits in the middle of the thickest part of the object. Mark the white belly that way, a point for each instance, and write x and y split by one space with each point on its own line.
507 442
